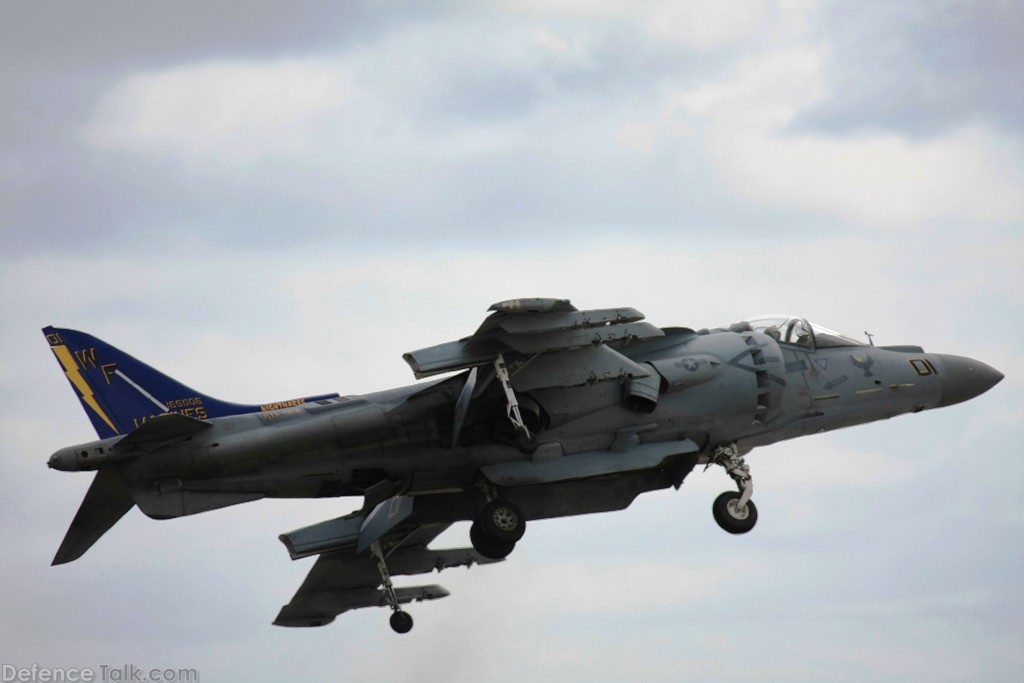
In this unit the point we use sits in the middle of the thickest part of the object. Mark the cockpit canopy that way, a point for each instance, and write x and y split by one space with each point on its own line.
790 329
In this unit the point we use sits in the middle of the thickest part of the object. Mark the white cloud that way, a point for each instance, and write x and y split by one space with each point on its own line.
239 108
550 40
547 590
881 181
765 91
826 462
700 24
364 120
576 8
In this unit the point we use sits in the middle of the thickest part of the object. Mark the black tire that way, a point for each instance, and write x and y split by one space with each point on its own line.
489 548
527 444
401 622
502 522
729 518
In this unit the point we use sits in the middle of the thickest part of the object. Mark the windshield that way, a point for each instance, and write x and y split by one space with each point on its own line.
793 330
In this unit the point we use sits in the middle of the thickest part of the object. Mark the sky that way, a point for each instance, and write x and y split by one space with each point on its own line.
269 200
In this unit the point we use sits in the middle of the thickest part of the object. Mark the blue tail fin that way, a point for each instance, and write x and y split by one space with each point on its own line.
119 392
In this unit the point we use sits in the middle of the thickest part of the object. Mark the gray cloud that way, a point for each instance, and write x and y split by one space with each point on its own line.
922 68
417 153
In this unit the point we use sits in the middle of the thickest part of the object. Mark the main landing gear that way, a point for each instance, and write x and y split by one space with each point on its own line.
500 523
497 529
734 511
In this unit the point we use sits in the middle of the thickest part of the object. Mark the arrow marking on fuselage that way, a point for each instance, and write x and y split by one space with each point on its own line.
735 362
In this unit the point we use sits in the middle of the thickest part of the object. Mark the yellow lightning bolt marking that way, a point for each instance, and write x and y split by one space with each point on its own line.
75 375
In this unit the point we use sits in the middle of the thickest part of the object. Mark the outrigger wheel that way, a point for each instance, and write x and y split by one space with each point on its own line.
401 621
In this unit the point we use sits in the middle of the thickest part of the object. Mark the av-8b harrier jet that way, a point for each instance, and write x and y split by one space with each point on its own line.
551 412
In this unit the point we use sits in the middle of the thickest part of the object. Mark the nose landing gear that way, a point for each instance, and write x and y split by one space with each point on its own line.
734 511
731 516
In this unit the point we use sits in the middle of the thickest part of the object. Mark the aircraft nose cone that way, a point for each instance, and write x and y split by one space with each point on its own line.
964 378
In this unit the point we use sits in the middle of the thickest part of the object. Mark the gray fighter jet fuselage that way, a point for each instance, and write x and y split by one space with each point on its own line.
553 412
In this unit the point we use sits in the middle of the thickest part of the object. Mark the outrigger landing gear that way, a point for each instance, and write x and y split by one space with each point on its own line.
733 511
401 621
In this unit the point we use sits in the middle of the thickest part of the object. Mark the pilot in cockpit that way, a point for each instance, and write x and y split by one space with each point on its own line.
799 333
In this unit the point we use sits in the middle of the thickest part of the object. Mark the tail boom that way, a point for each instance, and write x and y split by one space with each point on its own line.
136 411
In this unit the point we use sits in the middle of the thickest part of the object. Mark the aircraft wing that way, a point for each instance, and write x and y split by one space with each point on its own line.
546 344
531 327
537 345
345 578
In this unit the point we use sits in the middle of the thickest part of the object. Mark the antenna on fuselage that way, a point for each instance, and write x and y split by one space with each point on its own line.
871 337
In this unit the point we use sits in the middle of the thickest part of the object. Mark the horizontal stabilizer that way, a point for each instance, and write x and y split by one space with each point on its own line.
157 432
105 503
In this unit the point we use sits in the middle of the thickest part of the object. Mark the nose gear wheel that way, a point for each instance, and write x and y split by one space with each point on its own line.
730 516
734 511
